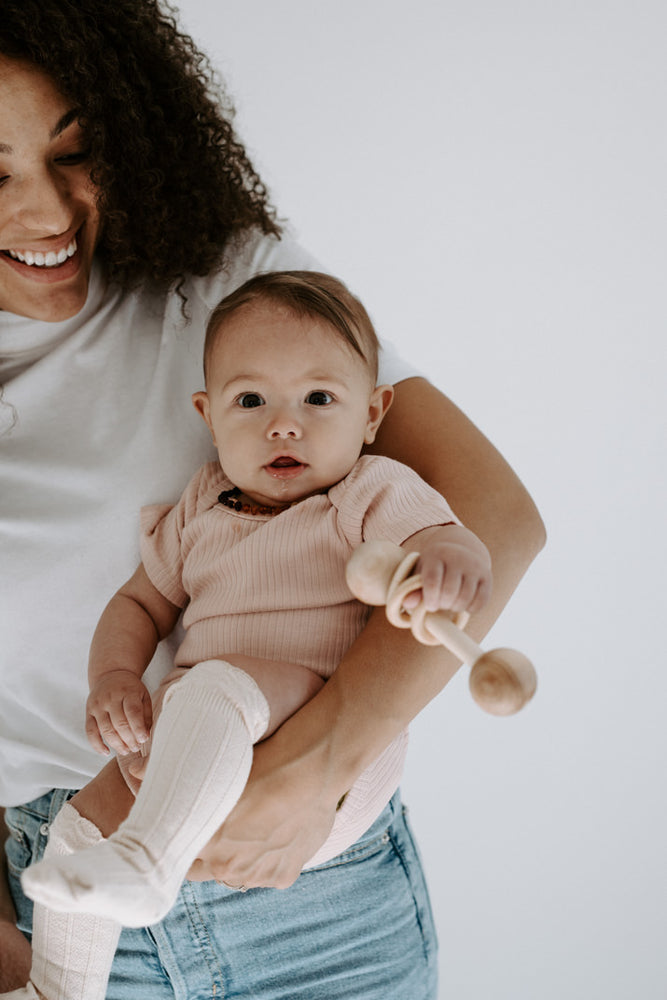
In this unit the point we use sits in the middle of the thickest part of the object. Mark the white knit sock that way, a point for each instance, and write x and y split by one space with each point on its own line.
200 759
71 953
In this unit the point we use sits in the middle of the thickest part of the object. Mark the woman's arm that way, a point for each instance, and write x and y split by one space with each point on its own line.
386 678
14 947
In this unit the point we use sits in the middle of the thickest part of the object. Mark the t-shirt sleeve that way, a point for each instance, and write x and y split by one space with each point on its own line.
392 368
384 499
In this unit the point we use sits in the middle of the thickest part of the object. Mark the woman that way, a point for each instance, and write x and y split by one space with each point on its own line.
127 209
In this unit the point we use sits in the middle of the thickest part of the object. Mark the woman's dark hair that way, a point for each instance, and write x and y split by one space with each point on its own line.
176 184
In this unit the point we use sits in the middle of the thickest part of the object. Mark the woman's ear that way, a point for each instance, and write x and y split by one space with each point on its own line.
380 401
201 405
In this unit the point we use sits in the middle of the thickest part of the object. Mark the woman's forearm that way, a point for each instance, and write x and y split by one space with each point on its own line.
387 674
386 678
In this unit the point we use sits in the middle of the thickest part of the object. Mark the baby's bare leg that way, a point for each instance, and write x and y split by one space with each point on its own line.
286 686
106 800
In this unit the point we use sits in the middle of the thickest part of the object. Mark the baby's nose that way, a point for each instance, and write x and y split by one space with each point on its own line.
284 426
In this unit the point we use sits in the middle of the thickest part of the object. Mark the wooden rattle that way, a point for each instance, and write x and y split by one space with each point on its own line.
379 573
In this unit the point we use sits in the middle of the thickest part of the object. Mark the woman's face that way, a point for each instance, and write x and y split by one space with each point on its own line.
49 223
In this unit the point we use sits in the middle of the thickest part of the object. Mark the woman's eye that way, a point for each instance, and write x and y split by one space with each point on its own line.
319 398
248 400
71 159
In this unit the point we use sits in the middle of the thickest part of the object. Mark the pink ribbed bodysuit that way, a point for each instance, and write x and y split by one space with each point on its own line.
274 586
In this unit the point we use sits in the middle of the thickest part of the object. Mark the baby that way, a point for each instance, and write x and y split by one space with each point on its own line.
255 552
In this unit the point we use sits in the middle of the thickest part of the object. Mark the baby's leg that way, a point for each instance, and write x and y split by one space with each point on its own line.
200 760
72 953
286 686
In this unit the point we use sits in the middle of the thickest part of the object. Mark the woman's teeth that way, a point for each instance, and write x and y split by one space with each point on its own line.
50 259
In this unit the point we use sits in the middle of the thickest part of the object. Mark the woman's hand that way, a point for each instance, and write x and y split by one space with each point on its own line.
281 820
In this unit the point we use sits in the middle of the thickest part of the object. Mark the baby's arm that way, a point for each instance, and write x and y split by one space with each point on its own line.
455 567
118 711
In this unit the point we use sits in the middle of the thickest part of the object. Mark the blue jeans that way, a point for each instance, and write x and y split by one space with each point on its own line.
358 927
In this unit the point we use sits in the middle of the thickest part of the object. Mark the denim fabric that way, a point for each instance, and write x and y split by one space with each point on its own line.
358 927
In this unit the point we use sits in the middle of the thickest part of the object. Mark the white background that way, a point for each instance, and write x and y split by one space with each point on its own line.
490 178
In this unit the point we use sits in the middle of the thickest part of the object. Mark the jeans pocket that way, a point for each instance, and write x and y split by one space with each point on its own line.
28 827
18 846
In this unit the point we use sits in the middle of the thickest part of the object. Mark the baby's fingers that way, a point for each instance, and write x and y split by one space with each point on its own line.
138 716
94 737
128 724
111 733
433 581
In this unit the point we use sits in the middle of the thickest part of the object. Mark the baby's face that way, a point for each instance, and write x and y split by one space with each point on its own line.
288 402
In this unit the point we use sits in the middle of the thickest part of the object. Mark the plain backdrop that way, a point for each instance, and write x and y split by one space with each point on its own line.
490 178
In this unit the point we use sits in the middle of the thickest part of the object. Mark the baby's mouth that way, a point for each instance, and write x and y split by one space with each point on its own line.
284 467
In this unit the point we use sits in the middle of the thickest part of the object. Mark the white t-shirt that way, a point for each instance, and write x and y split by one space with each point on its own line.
96 421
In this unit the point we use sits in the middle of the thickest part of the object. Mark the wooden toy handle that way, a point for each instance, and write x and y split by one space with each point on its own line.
501 681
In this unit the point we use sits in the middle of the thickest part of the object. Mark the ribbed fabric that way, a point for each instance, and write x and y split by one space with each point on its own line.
274 587
72 952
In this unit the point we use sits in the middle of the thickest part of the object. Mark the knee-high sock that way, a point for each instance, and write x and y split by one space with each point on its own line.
199 763
71 952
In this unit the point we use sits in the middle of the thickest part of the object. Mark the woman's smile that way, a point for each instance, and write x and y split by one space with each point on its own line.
45 265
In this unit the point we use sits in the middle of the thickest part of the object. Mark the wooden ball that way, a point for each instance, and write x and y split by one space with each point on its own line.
502 681
370 569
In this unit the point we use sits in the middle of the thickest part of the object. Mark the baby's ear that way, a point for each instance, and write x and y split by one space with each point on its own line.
380 401
201 405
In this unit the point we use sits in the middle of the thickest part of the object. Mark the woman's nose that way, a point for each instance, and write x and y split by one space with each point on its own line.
43 205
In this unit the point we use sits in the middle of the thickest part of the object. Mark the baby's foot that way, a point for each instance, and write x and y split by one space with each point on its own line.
108 880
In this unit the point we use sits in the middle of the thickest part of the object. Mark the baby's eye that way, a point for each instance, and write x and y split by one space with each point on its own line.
319 398
248 400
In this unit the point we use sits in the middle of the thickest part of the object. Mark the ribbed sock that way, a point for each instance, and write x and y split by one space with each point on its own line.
72 953
199 763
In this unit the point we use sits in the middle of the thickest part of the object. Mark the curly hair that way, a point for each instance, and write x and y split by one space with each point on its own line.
176 185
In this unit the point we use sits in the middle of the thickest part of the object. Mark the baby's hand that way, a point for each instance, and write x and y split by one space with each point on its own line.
456 572
118 713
